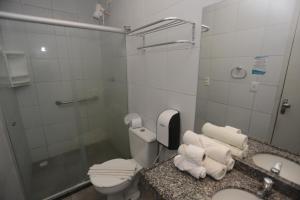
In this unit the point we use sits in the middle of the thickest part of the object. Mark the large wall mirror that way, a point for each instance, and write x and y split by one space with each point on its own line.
249 75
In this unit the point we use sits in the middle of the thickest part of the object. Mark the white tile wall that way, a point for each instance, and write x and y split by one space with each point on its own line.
163 77
241 30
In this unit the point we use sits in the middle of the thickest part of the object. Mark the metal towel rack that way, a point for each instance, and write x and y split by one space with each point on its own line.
160 25
59 103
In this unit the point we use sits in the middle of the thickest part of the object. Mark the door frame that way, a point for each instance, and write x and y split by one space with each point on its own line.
288 52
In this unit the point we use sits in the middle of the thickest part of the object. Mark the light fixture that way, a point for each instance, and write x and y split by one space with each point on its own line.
43 49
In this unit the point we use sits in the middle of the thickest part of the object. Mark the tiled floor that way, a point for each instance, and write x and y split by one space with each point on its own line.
91 194
68 169
86 194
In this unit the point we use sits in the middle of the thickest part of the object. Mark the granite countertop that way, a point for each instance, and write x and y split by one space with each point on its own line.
255 147
172 184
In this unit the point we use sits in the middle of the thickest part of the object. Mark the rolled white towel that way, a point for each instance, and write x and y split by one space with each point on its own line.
230 164
225 135
214 150
191 137
215 169
240 153
233 129
184 165
192 153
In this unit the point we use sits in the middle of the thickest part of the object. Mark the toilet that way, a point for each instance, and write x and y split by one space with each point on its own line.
122 185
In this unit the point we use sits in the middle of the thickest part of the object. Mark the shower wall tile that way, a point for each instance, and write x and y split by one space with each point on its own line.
31 117
39 154
46 70
27 96
38 3
60 132
35 137
41 12
36 41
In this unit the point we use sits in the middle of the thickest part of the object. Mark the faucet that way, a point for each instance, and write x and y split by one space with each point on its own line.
266 189
276 168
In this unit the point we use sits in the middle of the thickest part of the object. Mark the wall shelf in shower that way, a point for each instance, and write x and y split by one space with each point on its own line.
17 68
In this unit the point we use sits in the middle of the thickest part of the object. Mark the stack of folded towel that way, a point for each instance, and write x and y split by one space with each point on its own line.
118 172
229 137
190 159
211 151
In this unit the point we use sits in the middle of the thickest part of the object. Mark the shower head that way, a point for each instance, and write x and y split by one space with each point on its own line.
99 11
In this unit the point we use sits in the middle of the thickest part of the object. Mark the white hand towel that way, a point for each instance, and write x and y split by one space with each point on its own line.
215 169
184 165
192 153
225 135
190 137
214 150
233 129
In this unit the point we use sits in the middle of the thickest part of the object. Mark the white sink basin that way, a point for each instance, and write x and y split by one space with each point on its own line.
234 194
289 170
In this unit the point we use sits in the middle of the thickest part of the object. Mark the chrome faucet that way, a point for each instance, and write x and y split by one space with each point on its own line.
276 168
266 189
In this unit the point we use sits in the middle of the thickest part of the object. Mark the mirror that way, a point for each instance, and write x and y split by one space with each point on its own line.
249 70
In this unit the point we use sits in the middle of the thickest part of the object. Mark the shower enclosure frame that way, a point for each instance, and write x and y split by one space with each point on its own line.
61 23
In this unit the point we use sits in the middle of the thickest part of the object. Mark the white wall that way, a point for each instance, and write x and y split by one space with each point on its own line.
241 30
162 77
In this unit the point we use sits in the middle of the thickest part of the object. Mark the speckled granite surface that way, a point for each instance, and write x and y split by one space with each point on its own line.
172 184
247 165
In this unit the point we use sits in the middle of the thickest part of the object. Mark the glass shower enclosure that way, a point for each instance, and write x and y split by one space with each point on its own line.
63 93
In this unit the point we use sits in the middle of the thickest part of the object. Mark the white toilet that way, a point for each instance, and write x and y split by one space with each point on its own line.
143 148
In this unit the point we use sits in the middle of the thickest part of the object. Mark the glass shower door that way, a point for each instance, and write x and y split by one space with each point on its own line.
71 113
101 93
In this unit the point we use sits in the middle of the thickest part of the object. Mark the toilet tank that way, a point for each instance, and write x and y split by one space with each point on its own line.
143 146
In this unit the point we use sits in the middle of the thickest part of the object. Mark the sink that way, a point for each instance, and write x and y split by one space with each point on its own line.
234 194
289 170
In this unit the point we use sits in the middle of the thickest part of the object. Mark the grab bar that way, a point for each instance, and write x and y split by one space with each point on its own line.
59 103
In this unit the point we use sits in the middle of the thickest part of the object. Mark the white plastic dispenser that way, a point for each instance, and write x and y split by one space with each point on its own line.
168 129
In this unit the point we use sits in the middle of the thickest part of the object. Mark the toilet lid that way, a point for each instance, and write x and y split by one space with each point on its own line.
113 172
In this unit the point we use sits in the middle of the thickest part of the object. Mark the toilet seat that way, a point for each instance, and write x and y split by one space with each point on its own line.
108 181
